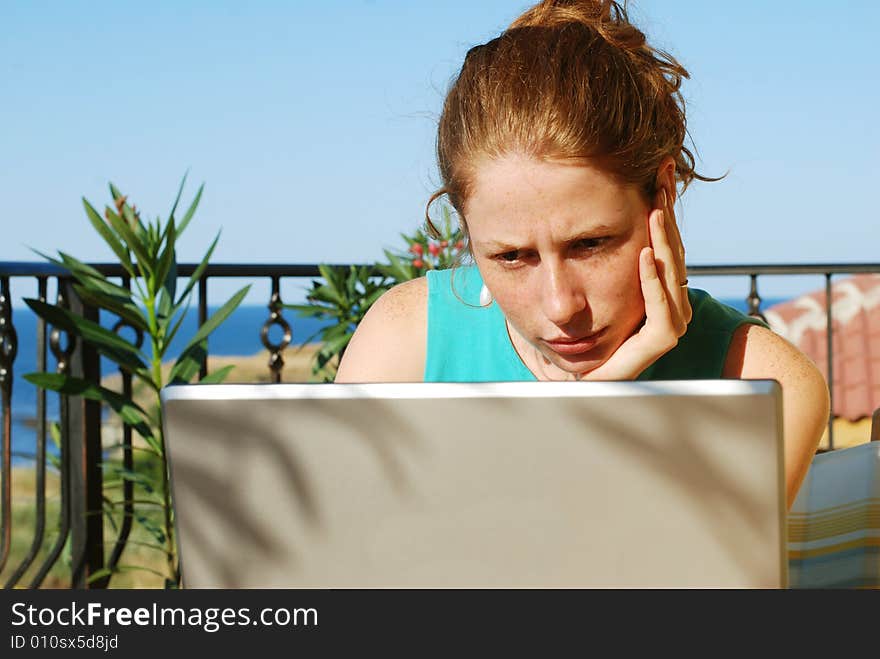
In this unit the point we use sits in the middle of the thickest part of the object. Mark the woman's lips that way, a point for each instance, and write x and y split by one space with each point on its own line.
574 346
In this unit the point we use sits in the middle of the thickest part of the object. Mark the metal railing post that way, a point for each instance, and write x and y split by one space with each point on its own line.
86 504
8 350
830 347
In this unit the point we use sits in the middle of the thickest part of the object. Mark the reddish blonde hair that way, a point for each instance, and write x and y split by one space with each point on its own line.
568 80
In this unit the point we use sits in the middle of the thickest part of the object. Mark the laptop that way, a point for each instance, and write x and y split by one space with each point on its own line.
479 485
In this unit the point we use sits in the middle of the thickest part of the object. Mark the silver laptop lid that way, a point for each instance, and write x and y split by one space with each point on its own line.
529 484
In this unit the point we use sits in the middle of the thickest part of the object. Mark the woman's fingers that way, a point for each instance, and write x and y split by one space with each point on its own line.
673 234
670 253
668 271
677 244
660 323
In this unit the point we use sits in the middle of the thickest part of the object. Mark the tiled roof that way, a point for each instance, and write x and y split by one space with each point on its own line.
855 306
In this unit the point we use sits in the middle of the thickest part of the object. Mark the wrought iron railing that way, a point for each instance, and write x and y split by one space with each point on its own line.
80 521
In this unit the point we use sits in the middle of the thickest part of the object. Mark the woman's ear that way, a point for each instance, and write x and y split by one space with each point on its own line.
666 178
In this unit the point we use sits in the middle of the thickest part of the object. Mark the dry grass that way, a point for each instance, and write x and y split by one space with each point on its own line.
24 526
24 523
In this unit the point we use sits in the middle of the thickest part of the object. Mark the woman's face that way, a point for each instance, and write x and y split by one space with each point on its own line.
557 244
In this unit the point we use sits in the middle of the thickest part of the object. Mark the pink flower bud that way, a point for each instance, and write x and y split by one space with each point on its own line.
418 263
434 249
416 248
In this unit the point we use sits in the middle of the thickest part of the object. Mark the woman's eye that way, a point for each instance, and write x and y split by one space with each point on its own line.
509 257
588 244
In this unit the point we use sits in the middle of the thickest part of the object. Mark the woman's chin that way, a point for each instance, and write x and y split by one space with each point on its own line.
580 364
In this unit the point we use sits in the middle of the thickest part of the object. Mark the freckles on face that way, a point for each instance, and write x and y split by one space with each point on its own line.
557 244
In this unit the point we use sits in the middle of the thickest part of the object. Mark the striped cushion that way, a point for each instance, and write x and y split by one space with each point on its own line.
834 524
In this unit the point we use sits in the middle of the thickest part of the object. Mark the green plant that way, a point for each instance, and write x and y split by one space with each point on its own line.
154 309
341 300
425 252
345 295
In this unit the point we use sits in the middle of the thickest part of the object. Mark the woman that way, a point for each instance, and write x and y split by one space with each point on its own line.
561 147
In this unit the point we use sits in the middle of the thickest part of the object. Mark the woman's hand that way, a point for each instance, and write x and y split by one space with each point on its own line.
667 309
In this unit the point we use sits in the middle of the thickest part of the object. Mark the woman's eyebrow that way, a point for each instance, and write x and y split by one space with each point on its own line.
597 231
497 245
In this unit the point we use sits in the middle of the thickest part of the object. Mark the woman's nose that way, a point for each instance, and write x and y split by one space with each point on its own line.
563 295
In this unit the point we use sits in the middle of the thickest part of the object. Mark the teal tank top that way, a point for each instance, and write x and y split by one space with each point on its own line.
469 343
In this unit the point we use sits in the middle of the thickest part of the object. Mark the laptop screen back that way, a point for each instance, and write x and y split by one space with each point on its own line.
533 484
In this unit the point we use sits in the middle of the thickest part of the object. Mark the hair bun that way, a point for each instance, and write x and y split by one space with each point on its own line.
553 13
606 17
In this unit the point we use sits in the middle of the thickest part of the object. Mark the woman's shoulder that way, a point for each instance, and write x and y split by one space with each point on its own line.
404 302
389 342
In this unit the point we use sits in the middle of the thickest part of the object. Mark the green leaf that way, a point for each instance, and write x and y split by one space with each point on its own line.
352 281
333 331
333 346
132 221
114 192
128 410
99 574
55 434
81 271
217 376
188 363
330 294
121 445
150 526
191 210
396 270
169 337
196 275
177 198
135 243
109 237
113 505
153 235
145 481
108 513
372 297
153 443
306 310
194 348
149 545
218 316
88 276
166 272
126 311
106 342
335 277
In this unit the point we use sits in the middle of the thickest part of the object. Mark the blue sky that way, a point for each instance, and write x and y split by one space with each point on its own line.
312 123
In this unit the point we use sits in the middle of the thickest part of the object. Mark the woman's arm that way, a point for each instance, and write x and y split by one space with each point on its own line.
390 342
757 353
